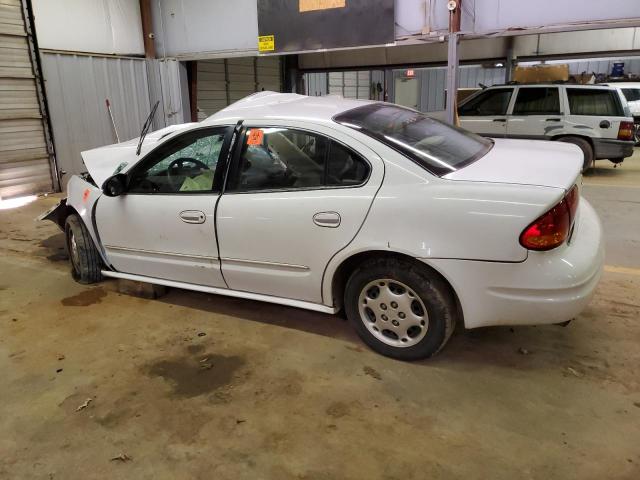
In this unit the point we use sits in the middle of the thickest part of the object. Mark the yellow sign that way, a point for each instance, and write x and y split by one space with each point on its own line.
266 43
311 5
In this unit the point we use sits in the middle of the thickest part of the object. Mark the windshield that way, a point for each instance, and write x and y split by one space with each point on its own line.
631 94
436 146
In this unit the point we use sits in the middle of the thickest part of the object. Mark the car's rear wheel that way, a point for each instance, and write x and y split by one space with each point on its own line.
399 308
86 264
587 150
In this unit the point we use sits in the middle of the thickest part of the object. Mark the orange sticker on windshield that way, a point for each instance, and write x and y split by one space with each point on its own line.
255 137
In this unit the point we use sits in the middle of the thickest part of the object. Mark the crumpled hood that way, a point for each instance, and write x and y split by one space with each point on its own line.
525 162
102 162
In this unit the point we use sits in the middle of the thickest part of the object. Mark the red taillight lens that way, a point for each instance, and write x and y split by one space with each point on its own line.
625 132
552 228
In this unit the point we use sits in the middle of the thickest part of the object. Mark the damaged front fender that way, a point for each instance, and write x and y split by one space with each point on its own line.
56 214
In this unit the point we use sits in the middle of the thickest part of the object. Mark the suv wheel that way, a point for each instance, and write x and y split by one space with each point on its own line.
586 148
400 309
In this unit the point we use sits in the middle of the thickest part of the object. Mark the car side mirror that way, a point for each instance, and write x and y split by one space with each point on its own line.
115 185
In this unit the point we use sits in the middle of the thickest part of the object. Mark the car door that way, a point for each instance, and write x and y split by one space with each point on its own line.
486 113
296 195
536 113
164 224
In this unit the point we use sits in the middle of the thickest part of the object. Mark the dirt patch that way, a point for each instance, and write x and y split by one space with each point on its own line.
85 298
191 377
338 410
372 372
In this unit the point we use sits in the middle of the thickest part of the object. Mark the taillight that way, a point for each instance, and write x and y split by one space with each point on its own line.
553 228
625 132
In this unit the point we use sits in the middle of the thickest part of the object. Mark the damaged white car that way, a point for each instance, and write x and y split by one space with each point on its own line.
409 225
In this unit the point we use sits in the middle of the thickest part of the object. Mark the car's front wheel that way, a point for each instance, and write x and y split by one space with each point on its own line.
86 264
399 308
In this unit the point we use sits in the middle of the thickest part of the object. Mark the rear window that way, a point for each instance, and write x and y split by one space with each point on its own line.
436 146
631 94
596 102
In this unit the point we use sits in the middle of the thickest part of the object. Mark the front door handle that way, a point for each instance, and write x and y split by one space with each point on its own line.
500 120
327 219
192 216
552 120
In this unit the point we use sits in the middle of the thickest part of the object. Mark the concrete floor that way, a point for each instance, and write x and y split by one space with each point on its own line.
199 386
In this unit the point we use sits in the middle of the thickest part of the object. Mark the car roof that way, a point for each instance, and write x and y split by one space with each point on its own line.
550 84
273 105
623 84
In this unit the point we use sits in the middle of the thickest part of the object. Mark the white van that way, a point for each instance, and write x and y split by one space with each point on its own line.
595 118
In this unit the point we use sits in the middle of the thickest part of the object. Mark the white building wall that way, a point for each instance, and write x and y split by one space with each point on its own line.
91 26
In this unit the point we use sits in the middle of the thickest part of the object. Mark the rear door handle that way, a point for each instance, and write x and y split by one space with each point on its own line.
552 120
500 120
327 219
192 216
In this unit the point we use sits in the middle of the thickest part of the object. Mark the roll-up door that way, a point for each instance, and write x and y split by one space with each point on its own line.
222 82
25 166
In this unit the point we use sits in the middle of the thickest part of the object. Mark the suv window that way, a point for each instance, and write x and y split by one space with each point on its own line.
491 102
276 158
537 101
596 102
186 164
631 94
435 146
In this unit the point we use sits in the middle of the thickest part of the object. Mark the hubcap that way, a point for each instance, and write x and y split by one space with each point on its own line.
393 313
73 247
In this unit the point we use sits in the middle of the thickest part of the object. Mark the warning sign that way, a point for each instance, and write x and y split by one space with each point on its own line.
266 43
255 137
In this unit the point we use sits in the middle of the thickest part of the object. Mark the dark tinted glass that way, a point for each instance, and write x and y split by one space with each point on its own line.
344 167
491 102
276 158
598 102
631 94
437 147
537 101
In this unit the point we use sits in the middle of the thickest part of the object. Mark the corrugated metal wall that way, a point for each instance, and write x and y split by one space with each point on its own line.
77 87
25 166
221 82
432 83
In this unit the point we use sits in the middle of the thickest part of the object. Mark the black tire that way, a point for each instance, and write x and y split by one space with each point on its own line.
86 264
432 291
586 148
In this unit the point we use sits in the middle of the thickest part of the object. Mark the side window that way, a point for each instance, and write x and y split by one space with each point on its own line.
344 167
277 158
537 101
595 102
491 102
186 164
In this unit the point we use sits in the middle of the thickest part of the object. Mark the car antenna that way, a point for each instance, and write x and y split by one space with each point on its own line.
146 126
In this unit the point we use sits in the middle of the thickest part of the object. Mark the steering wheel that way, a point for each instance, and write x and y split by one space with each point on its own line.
177 165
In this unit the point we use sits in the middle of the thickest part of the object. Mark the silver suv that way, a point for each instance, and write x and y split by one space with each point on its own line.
595 118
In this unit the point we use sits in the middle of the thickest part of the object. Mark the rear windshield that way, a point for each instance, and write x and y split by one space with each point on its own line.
631 94
596 102
436 146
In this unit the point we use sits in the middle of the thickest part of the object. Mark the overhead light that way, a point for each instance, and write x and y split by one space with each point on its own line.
499 64
17 202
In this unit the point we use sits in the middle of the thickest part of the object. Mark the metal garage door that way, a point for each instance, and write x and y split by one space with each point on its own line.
222 82
25 166
350 84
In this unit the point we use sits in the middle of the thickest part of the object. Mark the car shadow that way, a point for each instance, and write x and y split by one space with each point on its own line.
333 326
524 347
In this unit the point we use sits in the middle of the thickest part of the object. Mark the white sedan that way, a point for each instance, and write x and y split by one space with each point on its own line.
408 224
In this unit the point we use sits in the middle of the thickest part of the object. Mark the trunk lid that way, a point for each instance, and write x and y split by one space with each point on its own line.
525 162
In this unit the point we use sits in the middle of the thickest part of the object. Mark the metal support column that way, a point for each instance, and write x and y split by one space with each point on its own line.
452 77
